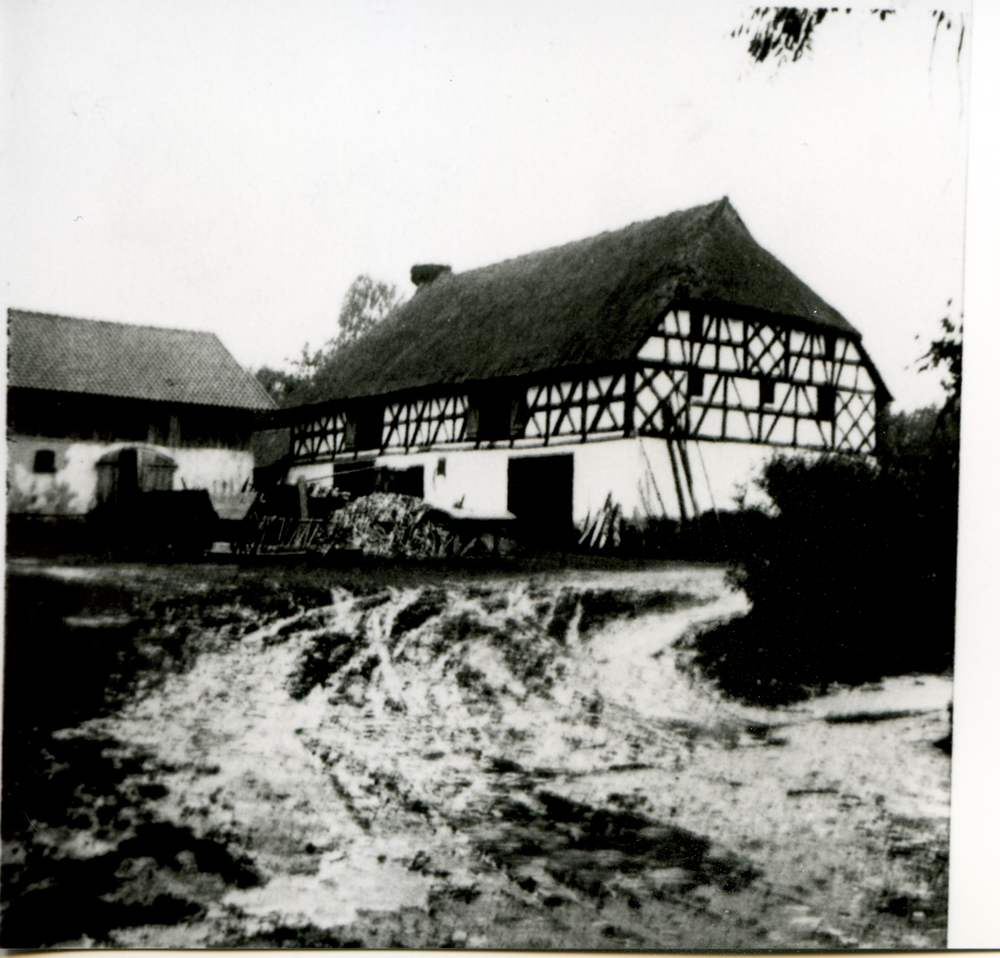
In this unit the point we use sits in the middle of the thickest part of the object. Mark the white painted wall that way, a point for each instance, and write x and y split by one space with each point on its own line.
72 489
320 474
636 473
474 479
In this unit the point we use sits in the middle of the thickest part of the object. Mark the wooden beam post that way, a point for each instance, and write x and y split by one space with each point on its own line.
678 485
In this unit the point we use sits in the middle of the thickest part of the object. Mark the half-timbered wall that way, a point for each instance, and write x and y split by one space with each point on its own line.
576 410
697 376
716 378
424 423
322 438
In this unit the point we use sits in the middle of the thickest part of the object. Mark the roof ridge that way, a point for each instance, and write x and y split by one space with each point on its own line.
110 322
717 205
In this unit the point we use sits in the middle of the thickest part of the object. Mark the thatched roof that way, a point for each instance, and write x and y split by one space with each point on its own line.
588 302
136 362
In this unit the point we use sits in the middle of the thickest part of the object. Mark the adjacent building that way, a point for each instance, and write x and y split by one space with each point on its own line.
96 410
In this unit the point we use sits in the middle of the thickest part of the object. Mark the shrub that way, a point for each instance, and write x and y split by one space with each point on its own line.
851 575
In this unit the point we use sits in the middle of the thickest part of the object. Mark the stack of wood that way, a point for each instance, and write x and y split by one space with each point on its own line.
604 530
386 524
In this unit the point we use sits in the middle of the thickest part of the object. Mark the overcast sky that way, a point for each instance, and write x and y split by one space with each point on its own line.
232 165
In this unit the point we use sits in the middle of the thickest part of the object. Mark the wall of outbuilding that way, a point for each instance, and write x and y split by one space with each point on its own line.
72 488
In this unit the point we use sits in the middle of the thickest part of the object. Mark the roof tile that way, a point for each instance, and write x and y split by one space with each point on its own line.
137 362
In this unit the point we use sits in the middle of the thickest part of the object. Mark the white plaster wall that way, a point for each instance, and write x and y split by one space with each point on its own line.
217 470
720 470
474 478
636 473
621 467
615 467
319 473
220 471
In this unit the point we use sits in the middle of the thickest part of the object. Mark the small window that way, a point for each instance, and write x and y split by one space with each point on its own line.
766 392
696 383
491 415
697 328
472 421
45 460
442 467
825 399
367 422
830 346
519 415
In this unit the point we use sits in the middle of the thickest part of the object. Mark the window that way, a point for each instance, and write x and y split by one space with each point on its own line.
495 416
696 383
367 421
830 346
766 392
697 327
45 460
519 415
825 400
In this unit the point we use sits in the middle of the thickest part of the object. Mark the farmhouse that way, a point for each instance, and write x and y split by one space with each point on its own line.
96 410
650 364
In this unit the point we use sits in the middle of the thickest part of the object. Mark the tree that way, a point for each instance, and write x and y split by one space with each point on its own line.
285 386
787 32
947 352
278 383
367 302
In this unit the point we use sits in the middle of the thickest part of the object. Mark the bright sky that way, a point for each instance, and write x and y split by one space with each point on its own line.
232 165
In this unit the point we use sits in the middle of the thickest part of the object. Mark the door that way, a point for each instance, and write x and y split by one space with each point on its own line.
540 494
124 473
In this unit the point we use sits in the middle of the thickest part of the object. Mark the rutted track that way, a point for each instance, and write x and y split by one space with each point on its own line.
505 763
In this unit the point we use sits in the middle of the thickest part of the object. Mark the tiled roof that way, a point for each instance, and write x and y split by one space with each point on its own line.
136 362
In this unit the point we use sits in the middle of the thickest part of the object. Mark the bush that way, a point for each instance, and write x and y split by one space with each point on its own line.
851 575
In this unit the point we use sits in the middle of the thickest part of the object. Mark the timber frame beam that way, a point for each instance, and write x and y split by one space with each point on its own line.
697 375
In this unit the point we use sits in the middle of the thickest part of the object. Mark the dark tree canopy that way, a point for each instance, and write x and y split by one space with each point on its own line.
285 386
780 31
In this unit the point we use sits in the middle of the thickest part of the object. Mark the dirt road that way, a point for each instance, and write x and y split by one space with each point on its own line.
502 761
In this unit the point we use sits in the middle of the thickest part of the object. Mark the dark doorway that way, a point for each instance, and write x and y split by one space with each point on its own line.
128 474
540 494
405 482
357 478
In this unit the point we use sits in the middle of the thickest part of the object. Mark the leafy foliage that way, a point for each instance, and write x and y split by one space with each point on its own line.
851 579
947 352
366 303
783 32
286 386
